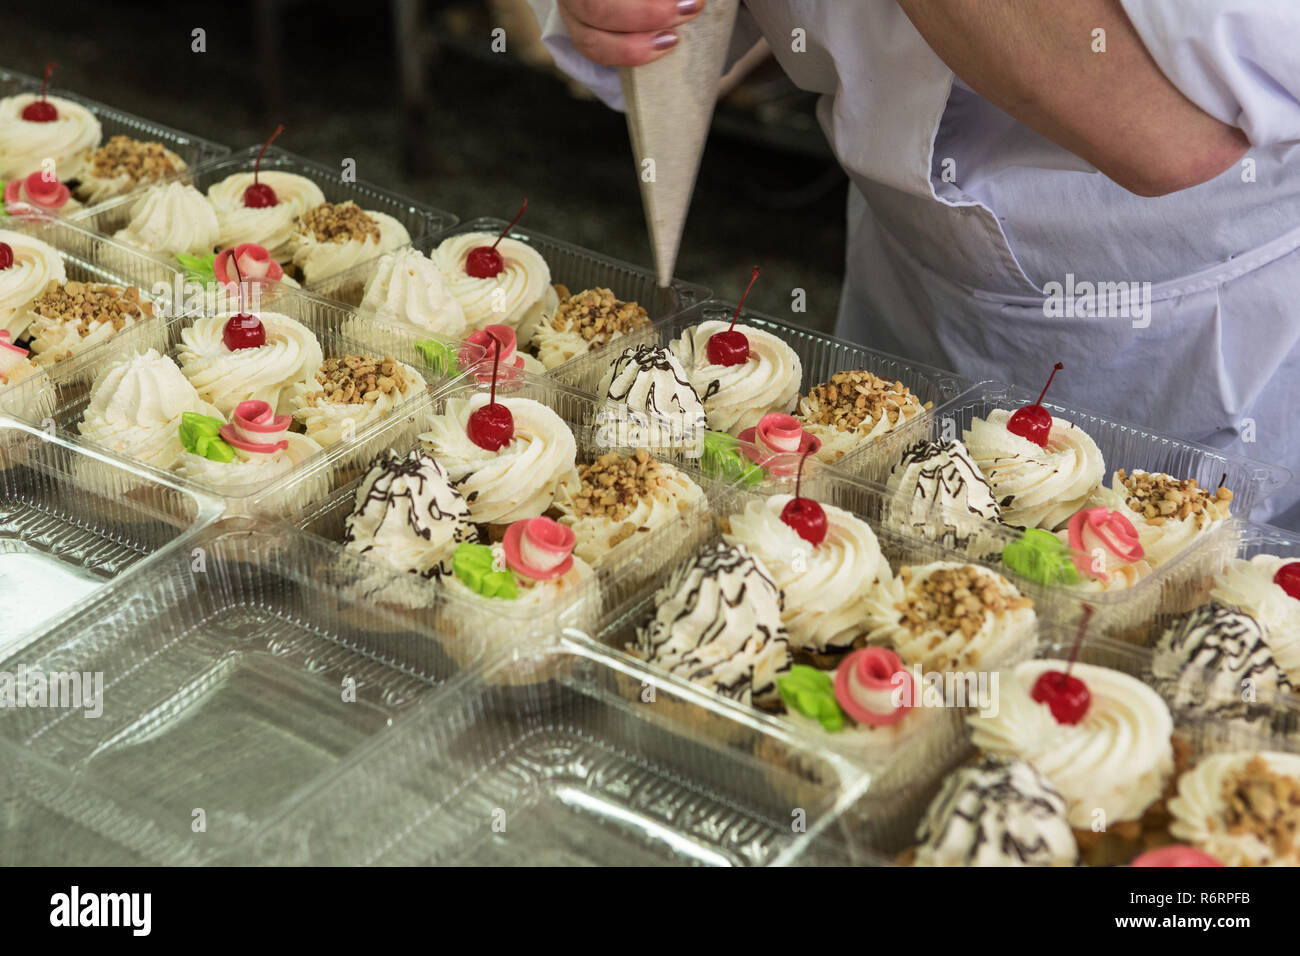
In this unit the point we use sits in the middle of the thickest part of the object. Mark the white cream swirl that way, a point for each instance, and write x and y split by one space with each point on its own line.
69 140
251 470
1249 586
1201 811
826 587
35 266
59 336
650 379
1116 760
938 492
328 422
319 260
737 396
521 296
530 593
136 406
520 480
93 188
271 227
1036 487
171 219
407 286
268 373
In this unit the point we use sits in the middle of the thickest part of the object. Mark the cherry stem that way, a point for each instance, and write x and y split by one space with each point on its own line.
739 305
1088 611
240 279
496 361
1055 368
257 167
519 215
1224 480
45 82
798 478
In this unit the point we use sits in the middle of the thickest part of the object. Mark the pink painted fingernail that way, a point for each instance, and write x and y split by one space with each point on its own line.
686 7
665 40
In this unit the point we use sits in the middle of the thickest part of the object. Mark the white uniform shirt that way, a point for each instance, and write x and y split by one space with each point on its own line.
955 273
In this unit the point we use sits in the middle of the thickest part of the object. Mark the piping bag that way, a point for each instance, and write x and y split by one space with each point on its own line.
669 105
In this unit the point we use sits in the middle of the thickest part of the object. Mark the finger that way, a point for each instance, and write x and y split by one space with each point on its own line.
619 49
633 16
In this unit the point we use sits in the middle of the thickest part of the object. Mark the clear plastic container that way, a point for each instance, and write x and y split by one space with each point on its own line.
820 356
236 677
74 523
420 219
64 393
581 775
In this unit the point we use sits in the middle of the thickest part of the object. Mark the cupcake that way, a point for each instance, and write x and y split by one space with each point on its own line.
1215 662
122 164
499 352
1037 486
27 267
1267 588
36 129
998 811
825 584
407 286
1106 549
1170 515
350 392
233 359
533 566
15 365
717 623
40 192
514 289
70 317
854 408
136 406
329 238
649 380
269 215
255 448
582 322
736 396
936 491
1242 808
408 515
948 616
621 497
1101 737
517 477
170 220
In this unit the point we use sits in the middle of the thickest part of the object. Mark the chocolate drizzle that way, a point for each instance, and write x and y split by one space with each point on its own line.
947 482
651 359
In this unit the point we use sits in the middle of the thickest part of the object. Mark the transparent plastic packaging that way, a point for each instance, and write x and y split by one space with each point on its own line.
233 683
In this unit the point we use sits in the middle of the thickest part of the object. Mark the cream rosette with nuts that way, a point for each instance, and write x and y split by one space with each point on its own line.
522 479
68 140
587 320
407 286
36 265
736 396
1241 808
349 393
827 586
1036 486
520 296
272 372
948 616
853 408
271 227
1169 514
171 219
330 238
71 317
1253 586
122 164
620 497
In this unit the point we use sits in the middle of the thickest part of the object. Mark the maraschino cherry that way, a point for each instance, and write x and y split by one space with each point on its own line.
1287 577
484 262
260 195
1034 421
492 426
245 330
1067 696
805 516
731 347
42 110
6 256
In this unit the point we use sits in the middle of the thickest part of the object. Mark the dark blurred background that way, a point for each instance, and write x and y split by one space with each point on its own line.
470 131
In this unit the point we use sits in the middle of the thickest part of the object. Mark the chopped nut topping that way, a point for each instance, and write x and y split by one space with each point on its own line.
956 599
596 315
613 484
124 156
1160 497
341 223
1263 804
853 397
87 304
355 380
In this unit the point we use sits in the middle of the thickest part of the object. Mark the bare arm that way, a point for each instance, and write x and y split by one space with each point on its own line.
1035 60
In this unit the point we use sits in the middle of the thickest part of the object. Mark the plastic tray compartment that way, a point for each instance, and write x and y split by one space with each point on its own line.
234 680
65 392
619 580
72 523
582 776
419 218
820 356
